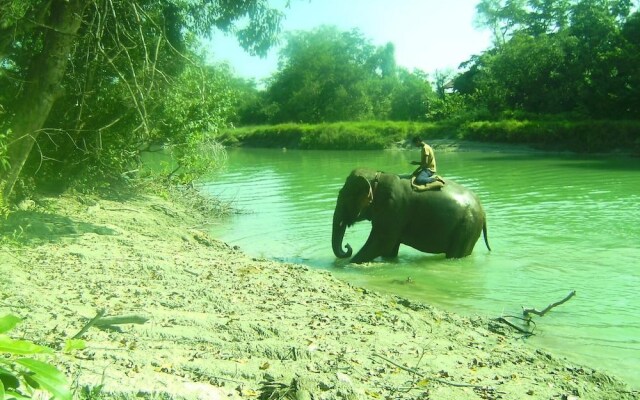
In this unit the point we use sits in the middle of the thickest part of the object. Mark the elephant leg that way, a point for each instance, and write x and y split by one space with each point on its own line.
393 252
381 242
463 242
367 253
460 252
459 248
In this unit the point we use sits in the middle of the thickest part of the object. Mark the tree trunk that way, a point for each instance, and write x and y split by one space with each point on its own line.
43 85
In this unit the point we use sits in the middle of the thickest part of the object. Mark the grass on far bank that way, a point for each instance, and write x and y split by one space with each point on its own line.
584 136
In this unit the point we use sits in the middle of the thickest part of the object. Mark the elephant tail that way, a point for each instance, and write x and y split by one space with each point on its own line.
484 234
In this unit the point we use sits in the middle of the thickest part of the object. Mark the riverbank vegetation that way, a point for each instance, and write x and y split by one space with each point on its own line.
82 102
566 60
584 136
90 85
561 76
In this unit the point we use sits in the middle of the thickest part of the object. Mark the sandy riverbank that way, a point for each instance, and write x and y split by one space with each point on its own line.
224 325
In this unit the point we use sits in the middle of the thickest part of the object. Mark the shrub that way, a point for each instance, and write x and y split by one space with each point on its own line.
367 135
20 376
585 136
546 133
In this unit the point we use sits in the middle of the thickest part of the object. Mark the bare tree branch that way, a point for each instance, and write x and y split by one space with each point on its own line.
527 311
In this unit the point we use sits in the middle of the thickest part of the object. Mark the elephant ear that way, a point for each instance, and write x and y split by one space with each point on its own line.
363 192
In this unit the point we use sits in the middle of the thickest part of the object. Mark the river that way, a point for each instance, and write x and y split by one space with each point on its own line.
556 223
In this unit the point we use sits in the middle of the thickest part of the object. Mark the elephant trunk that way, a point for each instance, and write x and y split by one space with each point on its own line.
337 235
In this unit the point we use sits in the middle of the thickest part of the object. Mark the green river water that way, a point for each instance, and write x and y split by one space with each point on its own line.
556 223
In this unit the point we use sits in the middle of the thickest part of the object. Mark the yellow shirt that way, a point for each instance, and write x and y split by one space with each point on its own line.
428 159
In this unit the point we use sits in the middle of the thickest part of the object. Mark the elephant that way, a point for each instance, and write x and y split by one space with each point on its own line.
448 220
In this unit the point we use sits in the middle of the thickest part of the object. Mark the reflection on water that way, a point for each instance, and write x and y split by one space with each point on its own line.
556 224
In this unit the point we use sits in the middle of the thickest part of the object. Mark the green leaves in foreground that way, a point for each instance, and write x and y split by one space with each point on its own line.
19 376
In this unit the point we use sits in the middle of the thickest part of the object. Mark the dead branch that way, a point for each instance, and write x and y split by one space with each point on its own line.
527 311
102 322
418 373
108 322
514 326
89 324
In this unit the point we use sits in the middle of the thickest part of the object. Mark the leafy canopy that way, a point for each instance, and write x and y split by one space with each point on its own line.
135 78
571 57
327 75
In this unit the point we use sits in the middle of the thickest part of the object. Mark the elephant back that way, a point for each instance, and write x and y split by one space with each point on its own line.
450 198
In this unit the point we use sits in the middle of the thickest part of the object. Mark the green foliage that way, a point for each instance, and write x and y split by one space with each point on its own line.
20 376
72 345
456 108
189 117
135 79
4 155
587 136
4 166
184 115
326 75
342 136
551 57
334 136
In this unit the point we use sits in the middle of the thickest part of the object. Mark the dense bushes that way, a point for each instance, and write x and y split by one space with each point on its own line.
87 88
21 375
579 136
340 135
326 75
586 136
578 57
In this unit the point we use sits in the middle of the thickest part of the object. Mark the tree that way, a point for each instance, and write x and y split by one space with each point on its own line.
629 67
125 58
411 97
322 76
534 17
42 82
596 25
326 75
502 17
556 56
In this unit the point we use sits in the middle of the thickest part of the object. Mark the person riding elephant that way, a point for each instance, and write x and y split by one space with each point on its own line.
426 171
449 220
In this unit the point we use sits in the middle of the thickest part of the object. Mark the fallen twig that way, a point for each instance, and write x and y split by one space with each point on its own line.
418 373
165 210
89 324
527 311
514 326
102 322
14 256
107 322
122 209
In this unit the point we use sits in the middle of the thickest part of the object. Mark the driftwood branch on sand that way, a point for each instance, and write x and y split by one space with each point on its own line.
527 312
102 322
422 376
